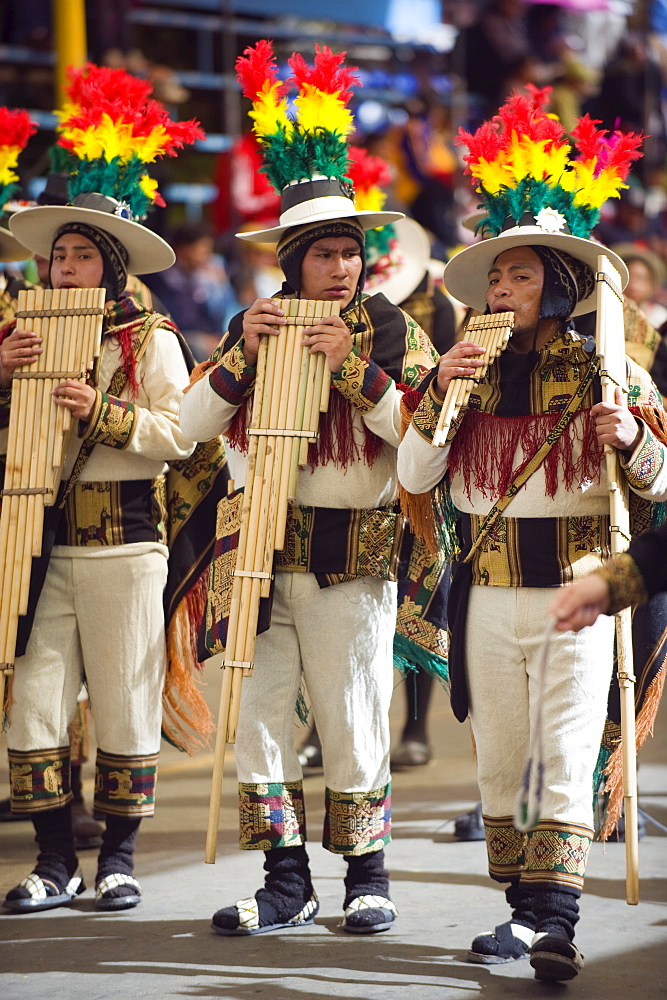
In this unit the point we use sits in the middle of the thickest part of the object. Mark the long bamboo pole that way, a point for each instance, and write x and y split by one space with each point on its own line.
611 348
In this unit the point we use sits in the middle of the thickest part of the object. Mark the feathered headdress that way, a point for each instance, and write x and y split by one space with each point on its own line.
113 129
523 165
110 130
16 127
538 186
305 148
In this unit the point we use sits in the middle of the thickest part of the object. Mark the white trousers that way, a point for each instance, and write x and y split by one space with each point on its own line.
503 637
340 638
99 618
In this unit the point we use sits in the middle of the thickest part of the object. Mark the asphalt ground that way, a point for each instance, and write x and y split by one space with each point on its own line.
165 948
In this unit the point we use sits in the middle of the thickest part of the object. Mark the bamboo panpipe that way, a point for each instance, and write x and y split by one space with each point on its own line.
490 332
610 340
291 389
69 322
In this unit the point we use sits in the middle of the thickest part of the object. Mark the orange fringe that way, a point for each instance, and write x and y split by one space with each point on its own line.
199 371
655 418
614 769
187 717
417 507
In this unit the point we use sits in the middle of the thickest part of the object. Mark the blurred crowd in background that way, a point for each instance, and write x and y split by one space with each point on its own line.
607 58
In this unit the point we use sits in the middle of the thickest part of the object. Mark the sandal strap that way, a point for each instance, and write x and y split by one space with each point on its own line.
248 912
369 902
37 886
116 881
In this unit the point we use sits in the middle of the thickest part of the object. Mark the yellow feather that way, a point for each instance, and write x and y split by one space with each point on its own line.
316 109
9 157
370 200
270 112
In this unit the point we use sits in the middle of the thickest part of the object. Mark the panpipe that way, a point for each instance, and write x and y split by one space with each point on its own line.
69 321
610 340
291 390
490 332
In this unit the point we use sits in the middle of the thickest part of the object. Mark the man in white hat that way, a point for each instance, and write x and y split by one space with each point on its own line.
543 392
334 604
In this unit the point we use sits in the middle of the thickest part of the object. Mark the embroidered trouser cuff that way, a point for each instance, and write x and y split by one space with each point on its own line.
357 822
40 779
273 815
125 786
553 855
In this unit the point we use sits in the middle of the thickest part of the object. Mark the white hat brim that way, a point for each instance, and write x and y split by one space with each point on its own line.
367 220
466 273
10 248
36 229
415 249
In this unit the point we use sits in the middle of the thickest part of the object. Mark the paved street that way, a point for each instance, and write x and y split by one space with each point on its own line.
165 948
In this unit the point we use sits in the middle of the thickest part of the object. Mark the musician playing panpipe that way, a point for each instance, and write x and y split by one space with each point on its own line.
334 595
526 492
99 614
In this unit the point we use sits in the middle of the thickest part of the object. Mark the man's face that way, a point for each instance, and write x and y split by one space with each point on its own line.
76 263
516 278
330 270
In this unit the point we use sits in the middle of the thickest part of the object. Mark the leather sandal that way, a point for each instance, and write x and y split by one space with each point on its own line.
40 898
368 915
508 943
243 918
554 958
115 881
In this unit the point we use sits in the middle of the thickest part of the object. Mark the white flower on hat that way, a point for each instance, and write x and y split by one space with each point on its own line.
550 220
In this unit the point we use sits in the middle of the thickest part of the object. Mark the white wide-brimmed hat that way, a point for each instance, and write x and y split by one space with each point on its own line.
413 252
466 274
36 228
317 199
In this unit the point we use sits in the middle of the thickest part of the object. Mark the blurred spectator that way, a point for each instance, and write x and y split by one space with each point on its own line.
196 290
628 222
426 164
255 274
489 53
646 286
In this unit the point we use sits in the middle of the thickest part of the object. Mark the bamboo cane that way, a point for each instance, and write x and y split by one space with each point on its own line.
611 348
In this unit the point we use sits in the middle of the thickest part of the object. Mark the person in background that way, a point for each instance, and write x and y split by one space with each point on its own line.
196 290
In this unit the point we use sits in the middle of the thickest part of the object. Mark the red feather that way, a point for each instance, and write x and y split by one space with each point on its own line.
93 84
256 67
16 127
366 171
328 74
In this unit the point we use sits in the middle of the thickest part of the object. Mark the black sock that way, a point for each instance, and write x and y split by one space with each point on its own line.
287 887
116 855
57 860
366 876
521 901
556 911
